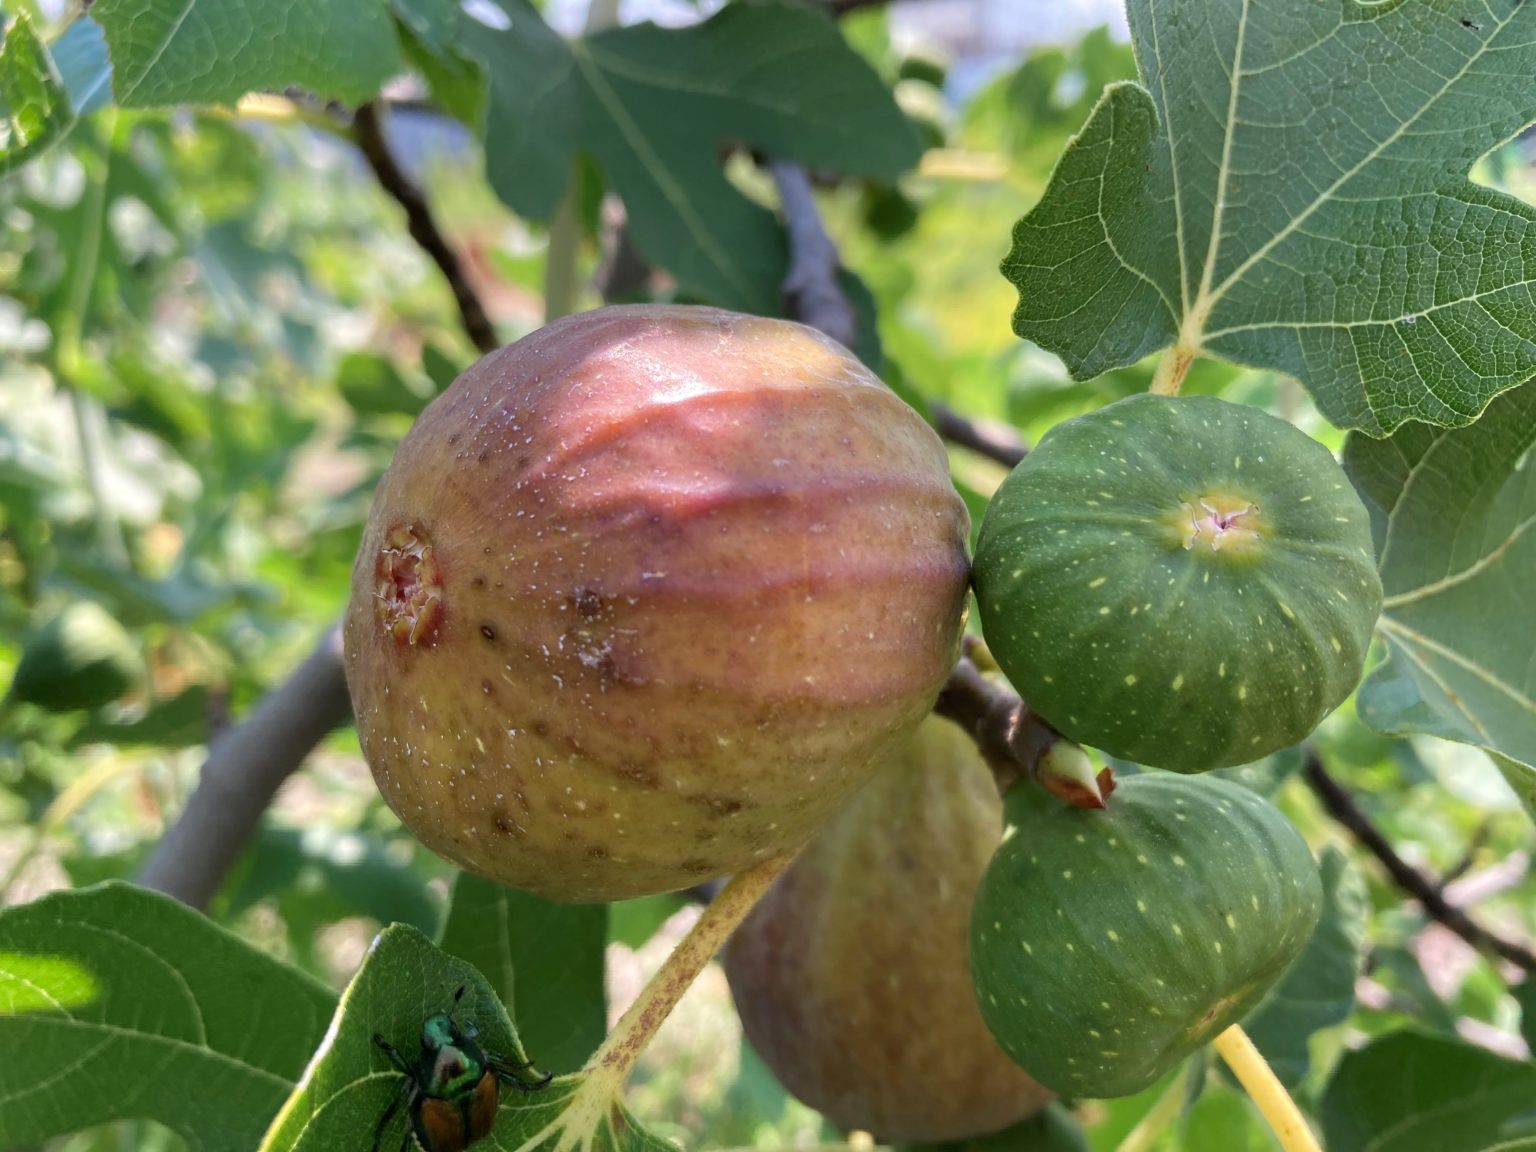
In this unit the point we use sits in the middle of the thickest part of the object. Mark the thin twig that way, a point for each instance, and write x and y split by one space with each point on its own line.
1342 807
1011 738
368 129
986 437
244 769
811 290
814 296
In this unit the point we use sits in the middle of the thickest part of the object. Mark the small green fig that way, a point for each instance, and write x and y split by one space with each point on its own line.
1108 944
645 597
1179 581
851 975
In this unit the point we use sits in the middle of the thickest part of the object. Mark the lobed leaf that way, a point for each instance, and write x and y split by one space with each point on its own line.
655 105
127 1004
1287 187
1452 512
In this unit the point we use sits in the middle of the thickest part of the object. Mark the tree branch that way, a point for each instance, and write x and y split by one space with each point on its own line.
811 291
1011 738
244 769
368 130
813 296
986 437
1342 807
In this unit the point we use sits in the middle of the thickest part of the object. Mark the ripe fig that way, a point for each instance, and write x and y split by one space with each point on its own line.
1108 944
851 975
645 596
1180 581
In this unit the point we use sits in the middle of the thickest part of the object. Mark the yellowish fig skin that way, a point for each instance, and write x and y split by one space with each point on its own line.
852 975
645 597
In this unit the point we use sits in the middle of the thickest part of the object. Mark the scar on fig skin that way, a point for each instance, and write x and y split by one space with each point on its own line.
408 587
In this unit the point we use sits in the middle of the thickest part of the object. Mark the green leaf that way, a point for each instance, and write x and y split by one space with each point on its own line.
1288 189
372 385
335 874
34 107
1452 513
544 959
654 105
1267 775
178 721
1318 990
216 51
349 1083
1412 1092
128 1004
1223 1121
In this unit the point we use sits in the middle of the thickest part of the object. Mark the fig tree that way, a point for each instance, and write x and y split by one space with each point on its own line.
645 596
851 975
1108 944
1180 581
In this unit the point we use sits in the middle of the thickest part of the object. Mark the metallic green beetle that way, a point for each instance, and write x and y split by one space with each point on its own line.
453 1088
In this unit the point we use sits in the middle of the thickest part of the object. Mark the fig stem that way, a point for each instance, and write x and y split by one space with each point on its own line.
633 1032
1163 1112
1266 1091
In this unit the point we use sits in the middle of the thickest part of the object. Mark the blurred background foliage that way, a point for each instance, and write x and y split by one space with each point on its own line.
213 330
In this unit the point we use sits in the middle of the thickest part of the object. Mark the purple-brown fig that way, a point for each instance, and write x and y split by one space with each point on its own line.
852 975
646 596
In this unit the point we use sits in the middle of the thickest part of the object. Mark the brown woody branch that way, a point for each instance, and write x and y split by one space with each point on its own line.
1339 804
246 765
986 437
368 130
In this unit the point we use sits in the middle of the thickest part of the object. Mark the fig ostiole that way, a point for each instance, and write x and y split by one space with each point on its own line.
1107 945
1182 582
646 596
851 975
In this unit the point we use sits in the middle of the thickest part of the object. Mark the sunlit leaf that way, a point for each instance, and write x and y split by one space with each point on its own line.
216 51
1287 187
654 106
122 999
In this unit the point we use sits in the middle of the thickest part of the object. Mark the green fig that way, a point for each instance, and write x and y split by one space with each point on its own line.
1180 581
1108 944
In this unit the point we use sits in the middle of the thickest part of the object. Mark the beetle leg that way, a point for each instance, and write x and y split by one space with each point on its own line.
394 1055
508 1072
389 1114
